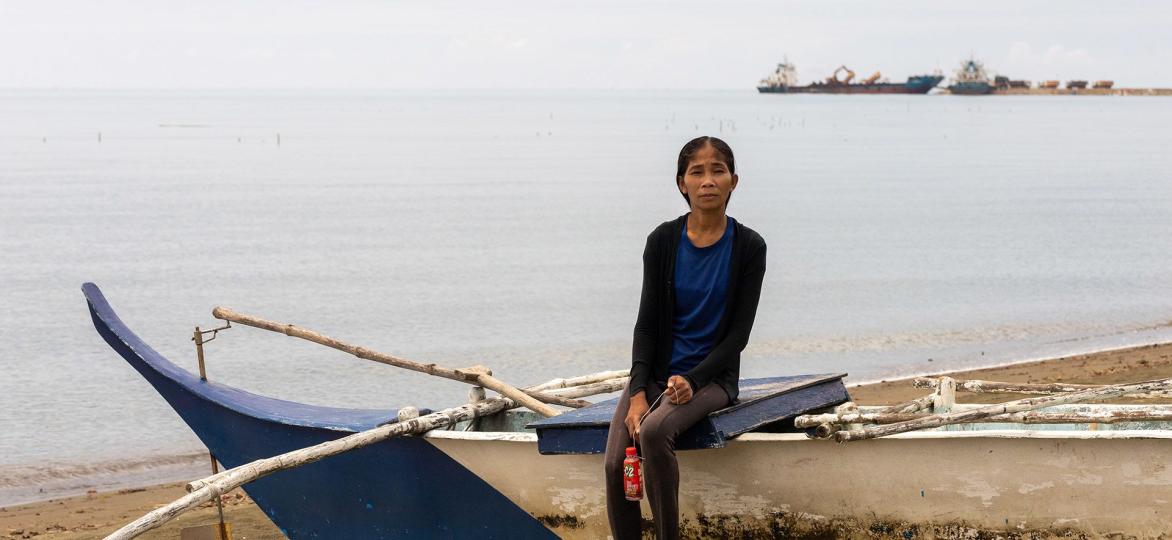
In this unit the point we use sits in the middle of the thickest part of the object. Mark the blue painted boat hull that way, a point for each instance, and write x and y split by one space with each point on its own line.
398 488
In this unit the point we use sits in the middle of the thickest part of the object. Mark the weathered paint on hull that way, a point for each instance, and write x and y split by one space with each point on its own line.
946 484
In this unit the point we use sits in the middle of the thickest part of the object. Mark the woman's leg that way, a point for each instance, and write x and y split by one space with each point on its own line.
626 520
657 438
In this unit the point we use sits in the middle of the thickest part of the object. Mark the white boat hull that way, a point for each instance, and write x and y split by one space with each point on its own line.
929 484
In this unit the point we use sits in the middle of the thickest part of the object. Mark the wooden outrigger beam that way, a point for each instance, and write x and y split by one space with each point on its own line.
1032 417
590 389
1021 405
601 376
476 375
912 406
995 387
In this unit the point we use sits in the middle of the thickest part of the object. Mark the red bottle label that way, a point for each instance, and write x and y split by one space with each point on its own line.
633 478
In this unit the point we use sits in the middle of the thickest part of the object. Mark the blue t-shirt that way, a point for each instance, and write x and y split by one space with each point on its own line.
701 282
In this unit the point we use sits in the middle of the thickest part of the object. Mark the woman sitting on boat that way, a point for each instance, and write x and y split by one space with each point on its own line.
702 277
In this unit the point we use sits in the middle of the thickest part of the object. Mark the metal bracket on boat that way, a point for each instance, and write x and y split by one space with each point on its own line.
199 341
197 337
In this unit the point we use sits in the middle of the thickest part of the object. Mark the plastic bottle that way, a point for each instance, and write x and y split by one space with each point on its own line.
633 475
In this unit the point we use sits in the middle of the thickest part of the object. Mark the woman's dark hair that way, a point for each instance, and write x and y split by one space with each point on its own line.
694 146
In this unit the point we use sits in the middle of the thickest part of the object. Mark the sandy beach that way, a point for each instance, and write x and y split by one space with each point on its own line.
96 514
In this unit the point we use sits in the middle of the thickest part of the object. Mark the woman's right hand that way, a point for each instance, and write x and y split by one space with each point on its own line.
635 411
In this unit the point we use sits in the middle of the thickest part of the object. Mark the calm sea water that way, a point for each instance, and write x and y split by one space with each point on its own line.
906 234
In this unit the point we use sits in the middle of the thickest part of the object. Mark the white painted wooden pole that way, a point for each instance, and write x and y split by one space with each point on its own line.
591 389
1021 405
914 405
996 387
1091 416
581 380
945 396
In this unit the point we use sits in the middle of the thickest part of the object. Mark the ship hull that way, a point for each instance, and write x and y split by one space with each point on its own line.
970 89
915 85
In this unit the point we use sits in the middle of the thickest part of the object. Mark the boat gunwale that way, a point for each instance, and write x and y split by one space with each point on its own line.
1068 434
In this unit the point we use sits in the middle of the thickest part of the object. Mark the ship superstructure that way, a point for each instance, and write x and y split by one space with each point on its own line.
971 79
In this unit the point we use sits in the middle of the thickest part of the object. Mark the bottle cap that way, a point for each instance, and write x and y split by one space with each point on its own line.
630 450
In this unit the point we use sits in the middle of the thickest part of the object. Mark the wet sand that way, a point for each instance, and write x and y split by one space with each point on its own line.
98 514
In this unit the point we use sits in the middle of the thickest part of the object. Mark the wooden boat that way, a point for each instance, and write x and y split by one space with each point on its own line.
496 478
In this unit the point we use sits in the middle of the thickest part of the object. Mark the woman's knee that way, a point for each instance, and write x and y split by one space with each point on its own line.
655 435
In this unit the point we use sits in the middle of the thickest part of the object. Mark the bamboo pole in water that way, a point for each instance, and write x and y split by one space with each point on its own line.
477 376
1021 405
995 387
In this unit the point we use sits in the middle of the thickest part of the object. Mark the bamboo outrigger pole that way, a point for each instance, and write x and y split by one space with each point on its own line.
236 477
601 376
479 376
1021 405
1100 416
996 387
911 406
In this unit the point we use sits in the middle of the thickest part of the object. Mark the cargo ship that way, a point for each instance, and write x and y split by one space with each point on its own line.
784 80
971 79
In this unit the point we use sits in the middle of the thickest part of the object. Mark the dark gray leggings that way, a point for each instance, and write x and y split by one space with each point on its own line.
661 473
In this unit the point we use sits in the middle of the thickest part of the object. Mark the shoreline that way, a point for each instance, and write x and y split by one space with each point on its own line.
1129 364
96 514
901 376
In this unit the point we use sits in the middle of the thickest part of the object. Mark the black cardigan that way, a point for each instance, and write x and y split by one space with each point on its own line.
651 352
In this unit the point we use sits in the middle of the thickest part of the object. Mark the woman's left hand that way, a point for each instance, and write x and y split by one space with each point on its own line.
678 390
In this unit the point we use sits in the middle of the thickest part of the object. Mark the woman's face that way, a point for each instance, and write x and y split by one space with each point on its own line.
707 181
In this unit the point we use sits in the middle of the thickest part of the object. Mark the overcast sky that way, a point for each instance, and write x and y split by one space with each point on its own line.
547 44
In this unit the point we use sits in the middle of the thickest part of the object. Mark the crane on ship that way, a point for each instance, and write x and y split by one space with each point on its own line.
833 79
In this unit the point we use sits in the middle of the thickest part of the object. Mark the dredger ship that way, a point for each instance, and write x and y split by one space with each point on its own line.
784 80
